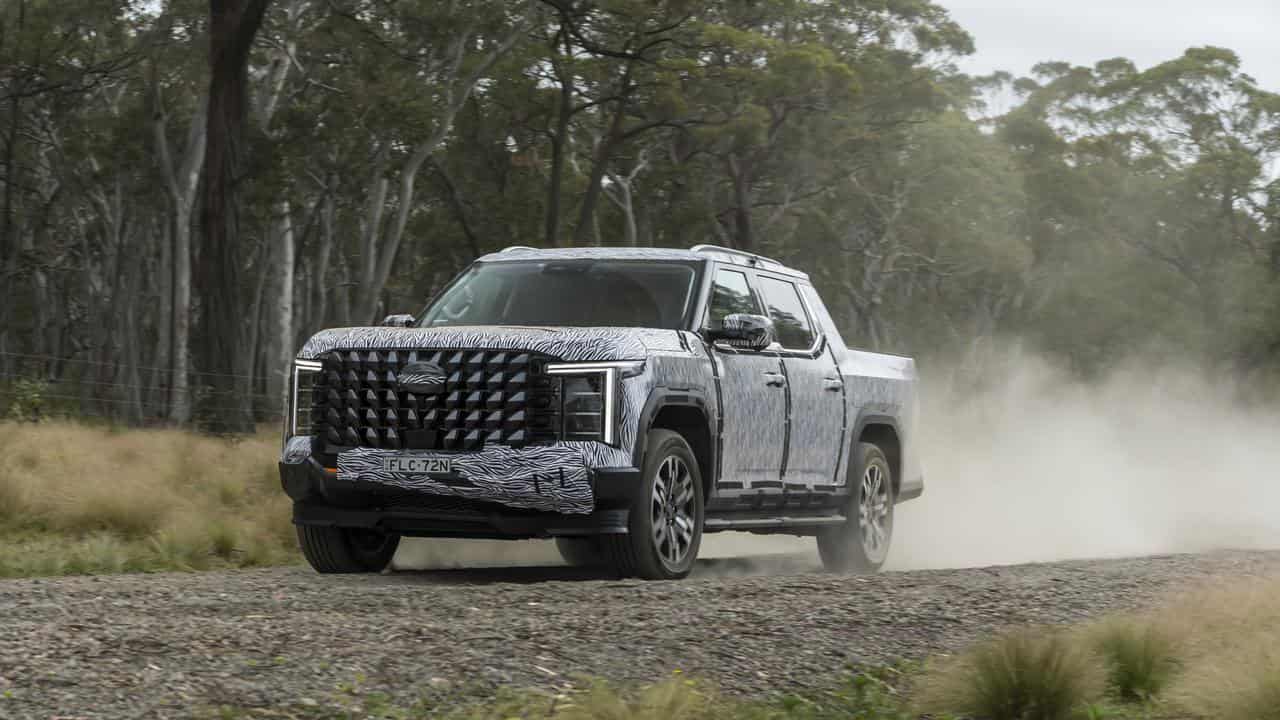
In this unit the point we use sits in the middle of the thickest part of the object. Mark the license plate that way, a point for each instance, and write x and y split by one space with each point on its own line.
418 465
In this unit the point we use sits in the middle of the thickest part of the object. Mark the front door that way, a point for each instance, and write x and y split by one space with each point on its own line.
753 395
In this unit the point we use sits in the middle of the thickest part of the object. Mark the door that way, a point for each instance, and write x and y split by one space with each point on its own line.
753 394
817 404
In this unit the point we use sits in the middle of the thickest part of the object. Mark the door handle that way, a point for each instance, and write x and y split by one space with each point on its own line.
773 379
833 384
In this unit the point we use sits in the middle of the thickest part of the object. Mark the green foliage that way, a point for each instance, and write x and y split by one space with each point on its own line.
27 400
866 695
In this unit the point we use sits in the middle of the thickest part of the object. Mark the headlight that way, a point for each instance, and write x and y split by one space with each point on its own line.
589 398
298 415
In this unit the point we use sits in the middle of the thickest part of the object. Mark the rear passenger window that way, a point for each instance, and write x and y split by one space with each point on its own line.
790 322
730 294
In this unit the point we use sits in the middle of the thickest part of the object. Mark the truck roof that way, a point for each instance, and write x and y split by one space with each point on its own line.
698 253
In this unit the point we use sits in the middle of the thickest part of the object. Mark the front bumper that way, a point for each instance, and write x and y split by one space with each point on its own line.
496 493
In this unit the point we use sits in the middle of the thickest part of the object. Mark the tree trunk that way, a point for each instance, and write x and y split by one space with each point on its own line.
258 320
224 360
342 293
182 182
600 162
320 274
372 228
559 141
280 343
179 388
742 232
8 249
162 365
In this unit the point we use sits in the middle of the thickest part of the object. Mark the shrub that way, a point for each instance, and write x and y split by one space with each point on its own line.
1140 658
1022 675
27 400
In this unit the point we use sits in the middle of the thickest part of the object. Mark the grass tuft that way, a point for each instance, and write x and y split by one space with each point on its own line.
1140 656
1025 674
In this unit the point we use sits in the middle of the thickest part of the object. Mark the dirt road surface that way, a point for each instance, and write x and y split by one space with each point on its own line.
168 645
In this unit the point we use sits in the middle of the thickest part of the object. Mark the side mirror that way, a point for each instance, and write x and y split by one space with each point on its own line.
743 331
403 320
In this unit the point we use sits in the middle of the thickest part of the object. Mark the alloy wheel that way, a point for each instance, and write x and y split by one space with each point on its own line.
873 520
672 511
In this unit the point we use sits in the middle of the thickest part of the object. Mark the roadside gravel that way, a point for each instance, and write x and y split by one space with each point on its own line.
168 645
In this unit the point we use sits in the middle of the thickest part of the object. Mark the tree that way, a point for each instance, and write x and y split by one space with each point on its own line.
232 28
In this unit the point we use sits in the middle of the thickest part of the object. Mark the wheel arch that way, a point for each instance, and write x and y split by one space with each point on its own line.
881 431
689 414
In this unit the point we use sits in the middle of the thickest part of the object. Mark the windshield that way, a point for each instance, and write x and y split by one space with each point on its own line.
582 293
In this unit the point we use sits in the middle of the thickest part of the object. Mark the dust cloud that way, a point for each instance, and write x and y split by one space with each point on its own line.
1037 466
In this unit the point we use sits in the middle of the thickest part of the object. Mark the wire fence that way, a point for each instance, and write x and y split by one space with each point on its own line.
61 361
40 386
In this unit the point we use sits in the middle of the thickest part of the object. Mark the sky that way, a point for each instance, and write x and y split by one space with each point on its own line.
1013 35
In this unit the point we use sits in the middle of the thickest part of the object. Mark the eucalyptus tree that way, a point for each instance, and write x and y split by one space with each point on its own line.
780 72
51 56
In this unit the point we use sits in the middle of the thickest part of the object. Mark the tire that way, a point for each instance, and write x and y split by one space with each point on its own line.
660 517
347 550
580 551
860 546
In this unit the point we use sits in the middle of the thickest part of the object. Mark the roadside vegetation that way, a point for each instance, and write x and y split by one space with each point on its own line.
77 499
1210 654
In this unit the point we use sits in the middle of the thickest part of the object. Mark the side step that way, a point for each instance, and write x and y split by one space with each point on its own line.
721 523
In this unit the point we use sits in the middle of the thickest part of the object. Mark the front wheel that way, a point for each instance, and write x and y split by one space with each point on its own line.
861 544
347 550
665 527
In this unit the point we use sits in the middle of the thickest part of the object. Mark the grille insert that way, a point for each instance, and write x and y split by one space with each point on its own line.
488 397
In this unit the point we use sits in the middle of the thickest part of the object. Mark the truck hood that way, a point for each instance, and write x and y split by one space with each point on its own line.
573 344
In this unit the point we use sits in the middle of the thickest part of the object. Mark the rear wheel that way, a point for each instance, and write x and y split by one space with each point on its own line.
347 550
861 544
665 527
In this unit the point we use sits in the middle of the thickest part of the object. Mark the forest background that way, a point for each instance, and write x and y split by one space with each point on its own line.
1103 214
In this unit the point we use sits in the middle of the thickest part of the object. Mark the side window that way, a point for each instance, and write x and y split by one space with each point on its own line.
787 311
730 293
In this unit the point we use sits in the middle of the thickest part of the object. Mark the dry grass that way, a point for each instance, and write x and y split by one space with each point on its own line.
1231 665
1211 654
79 499
1025 674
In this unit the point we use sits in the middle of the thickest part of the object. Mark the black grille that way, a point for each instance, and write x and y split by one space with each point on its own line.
489 396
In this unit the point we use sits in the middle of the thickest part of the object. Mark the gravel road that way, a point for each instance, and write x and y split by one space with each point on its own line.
167 645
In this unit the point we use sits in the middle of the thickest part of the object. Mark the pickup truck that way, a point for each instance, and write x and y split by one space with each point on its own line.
623 401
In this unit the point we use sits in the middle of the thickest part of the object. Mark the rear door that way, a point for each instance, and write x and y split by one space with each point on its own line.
753 394
817 407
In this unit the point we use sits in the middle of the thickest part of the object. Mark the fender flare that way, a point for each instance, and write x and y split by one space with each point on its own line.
664 397
873 416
